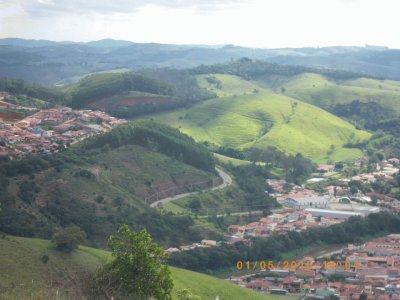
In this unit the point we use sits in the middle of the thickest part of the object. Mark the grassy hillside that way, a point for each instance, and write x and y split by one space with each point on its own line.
25 276
261 118
325 93
234 161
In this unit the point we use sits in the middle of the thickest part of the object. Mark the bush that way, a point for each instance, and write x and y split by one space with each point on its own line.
45 259
69 238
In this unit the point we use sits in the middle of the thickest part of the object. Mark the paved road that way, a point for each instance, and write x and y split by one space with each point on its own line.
226 181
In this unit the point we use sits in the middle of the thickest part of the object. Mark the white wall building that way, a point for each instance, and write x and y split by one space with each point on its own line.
307 202
333 214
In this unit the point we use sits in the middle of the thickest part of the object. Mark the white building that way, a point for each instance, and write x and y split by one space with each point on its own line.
333 214
307 202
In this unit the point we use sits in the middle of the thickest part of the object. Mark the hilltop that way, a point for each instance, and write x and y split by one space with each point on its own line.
326 93
49 62
252 115
25 272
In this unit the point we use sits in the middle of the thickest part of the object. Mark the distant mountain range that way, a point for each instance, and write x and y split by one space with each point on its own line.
49 62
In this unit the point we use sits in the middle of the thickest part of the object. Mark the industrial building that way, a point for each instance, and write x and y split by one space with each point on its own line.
333 214
307 202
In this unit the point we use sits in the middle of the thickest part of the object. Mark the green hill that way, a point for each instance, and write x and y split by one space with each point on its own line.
258 117
107 181
326 93
25 275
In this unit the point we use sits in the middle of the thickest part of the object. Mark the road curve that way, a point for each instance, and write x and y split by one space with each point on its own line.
226 181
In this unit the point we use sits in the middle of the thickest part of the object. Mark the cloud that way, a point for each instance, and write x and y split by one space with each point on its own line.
47 8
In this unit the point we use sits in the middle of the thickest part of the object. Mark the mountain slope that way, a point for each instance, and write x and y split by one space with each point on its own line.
325 93
25 274
104 182
259 117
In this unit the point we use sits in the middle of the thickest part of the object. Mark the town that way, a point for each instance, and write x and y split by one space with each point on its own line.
372 269
51 130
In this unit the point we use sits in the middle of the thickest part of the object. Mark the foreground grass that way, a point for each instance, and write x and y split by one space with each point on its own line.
25 276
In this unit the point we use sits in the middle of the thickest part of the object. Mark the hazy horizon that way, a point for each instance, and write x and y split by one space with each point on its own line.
246 23
199 45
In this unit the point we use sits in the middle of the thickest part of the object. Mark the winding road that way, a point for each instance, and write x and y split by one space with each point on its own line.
226 181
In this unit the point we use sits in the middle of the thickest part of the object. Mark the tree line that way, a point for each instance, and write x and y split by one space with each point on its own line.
21 87
98 86
272 248
157 137
257 69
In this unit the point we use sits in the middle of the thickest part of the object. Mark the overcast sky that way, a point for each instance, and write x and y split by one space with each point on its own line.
253 23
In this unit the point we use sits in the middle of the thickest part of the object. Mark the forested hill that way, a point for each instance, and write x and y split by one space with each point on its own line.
21 87
97 86
48 62
156 137
125 94
256 69
105 182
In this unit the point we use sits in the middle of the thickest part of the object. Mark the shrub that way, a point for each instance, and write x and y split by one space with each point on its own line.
69 238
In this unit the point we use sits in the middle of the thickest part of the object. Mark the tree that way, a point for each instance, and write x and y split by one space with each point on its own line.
363 296
195 203
186 294
69 238
138 269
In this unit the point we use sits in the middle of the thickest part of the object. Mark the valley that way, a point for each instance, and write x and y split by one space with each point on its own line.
238 161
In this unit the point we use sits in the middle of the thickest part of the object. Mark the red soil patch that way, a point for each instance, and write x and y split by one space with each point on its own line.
11 117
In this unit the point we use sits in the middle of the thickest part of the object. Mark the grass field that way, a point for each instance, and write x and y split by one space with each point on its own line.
265 118
24 276
230 85
234 161
318 90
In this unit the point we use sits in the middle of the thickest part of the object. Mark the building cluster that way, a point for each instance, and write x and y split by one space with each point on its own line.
384 171
372 270
202 244
280 223
51 129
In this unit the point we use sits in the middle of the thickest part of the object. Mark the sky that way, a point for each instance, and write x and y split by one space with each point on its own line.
251 23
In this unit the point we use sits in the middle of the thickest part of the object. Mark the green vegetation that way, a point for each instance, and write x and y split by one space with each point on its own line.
137 270
102 85
130 94
246 194
123 94
256 69
156 137
264 118
23 100
104 182
224 85
367 103
20 87
325 93
229 160
69 238
274 247
24 273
